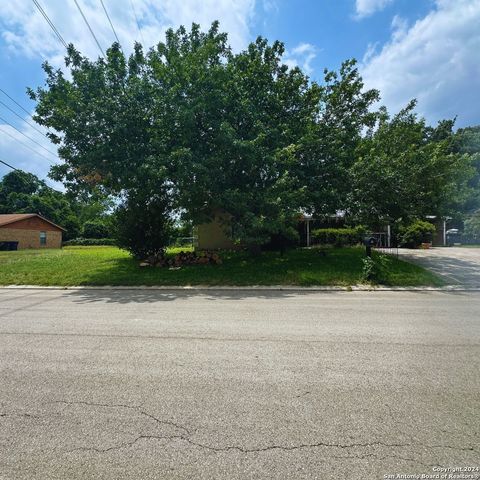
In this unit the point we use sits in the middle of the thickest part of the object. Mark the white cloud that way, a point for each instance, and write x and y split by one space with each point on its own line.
399 27
26 32
370 52
302 56
270 6
270 9
365 8
436 60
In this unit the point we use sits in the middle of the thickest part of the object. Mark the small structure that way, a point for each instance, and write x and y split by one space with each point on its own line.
214 235
20 231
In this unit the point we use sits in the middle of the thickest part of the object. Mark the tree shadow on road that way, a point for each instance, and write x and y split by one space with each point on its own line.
117 295
147 295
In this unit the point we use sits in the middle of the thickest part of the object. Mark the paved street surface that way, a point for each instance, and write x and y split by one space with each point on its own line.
457 265
98 384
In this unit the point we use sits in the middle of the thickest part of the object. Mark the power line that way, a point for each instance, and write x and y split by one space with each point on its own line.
8 165
14 101
110 21
21 118
90 28
45 16
27 146
44 181
26 136
116 36
138 24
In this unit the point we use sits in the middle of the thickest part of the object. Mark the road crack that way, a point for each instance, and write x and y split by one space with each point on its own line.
279 447
185 437
24 415
136 408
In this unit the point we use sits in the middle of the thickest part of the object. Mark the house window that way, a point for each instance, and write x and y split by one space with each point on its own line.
43 238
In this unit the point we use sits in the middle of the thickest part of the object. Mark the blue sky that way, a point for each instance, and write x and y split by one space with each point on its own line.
428 49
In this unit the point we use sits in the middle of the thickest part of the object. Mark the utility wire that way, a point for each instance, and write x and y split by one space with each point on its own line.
14 101
27 146
116 36
26 136
8 165
90 28
21 118
25 171
138 24
45 16
110 21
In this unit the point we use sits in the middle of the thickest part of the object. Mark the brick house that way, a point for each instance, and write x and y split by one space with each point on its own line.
28 230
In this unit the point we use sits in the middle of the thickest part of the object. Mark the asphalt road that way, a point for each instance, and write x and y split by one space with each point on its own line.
249 385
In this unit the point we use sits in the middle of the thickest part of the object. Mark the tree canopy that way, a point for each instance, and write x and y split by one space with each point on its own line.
466 141
190 128
407 170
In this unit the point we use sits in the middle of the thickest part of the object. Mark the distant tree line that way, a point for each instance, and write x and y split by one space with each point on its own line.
84 215
190 128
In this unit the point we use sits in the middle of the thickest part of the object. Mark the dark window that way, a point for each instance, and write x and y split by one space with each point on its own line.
43 238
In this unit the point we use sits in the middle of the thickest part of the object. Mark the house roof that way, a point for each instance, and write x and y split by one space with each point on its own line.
6 219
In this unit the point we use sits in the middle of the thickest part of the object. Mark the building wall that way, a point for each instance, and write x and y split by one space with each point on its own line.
30 238
32 223
212 235
437 240
438 237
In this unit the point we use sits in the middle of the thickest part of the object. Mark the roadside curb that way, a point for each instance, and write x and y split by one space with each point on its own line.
253 288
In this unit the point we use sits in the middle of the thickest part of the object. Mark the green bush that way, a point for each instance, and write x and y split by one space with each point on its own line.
86 242
416 233
339 237
143 223
95 229
374 268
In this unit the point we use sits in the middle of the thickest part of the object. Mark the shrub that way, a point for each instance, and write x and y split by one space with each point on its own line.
416 233
374 268
95 229
339 236
85 242
143 224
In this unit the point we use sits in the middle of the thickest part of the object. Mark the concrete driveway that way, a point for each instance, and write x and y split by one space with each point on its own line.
456 265
144 384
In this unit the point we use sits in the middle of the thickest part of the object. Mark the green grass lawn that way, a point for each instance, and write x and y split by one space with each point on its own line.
111 266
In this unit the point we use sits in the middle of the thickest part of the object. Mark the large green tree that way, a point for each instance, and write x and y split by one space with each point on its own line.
406 170
193 129
466 141
240 133
328 151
